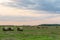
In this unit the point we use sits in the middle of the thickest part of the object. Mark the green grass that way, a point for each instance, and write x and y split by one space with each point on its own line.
33 33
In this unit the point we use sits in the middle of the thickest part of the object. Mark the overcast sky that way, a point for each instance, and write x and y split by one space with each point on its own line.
29 12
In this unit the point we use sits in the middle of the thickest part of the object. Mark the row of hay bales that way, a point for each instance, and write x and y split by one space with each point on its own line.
12 28
20 28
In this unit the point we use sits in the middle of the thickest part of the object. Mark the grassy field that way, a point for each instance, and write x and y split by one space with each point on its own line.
31 33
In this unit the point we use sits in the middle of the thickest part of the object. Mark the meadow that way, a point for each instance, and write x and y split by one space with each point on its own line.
31 33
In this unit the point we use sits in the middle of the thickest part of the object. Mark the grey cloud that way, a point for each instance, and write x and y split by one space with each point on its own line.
13 18
25 18
17 18
46 5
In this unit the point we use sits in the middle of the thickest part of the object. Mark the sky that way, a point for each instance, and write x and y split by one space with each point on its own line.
29 12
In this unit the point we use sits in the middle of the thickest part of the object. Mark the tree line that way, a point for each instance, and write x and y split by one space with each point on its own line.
49 25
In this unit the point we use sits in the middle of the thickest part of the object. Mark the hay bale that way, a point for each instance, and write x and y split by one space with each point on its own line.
20 29
5 29
11 29
56 27
38 27
43 27
8 29
46 27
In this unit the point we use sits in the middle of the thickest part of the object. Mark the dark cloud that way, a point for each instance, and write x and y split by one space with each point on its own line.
46 5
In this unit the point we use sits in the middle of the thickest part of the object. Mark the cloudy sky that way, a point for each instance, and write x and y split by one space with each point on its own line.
29 12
